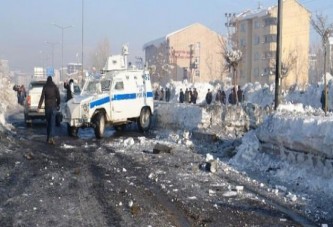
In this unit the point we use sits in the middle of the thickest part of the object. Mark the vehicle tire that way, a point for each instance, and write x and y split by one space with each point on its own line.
99 125
72 131
144 120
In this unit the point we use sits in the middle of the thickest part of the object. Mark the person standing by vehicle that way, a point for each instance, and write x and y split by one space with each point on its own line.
69 89
51 96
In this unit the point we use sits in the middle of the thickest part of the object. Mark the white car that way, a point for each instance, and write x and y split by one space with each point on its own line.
31 102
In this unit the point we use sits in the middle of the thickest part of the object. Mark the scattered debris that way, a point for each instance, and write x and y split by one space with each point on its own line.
210 166
29 156
230 194
239 188
161 148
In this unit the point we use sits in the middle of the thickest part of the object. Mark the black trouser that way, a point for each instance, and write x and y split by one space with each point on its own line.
50 114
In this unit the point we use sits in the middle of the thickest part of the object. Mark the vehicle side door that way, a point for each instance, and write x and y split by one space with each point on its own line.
118 100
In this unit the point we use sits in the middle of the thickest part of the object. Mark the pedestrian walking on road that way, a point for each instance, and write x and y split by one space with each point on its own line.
51 96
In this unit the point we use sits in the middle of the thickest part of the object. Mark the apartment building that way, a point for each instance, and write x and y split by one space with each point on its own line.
193 53
256 35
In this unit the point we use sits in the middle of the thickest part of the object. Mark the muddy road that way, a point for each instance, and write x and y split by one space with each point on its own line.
119 181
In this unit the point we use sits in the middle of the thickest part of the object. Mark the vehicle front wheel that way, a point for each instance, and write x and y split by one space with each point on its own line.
144 120
99 125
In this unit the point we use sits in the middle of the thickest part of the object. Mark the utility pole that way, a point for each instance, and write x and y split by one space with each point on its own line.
52 44
229 24
278 54
62 46
82 37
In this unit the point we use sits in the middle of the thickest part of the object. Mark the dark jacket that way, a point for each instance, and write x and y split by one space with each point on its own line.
240 95
50 94
69 92
181 97
322 99
209 97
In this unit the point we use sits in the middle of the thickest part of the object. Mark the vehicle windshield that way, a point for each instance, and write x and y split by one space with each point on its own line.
97 87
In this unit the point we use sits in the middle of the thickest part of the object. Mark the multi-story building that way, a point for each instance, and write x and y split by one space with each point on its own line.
193 53
256 35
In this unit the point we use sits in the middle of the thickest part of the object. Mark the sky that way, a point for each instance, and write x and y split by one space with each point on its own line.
28 32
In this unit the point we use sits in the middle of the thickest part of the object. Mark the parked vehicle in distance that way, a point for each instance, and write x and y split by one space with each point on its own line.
34 92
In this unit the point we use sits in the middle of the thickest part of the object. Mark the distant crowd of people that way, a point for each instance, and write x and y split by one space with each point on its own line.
20 93
190 95
162 95
221 97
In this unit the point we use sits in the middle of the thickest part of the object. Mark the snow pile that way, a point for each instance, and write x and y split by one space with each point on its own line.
8 97
302 176
300 129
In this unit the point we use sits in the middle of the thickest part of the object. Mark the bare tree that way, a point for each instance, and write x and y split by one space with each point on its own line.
287 64
321 26
316 63
100 54
232 57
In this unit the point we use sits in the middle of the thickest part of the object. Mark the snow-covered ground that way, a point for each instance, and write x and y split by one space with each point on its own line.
298 139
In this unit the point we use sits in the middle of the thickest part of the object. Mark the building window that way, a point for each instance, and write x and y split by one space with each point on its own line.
270 38
242 43
197 73
256 24
268 71
256 56
185 73
256 40
242 27
270 21
269 54
256 71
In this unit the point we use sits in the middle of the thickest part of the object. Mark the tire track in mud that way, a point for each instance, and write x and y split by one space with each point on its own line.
151 205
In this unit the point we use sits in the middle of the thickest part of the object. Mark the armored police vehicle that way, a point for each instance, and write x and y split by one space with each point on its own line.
120 96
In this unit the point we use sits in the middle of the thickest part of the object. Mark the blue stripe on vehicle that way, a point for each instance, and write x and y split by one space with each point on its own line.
99 102
124 96
129 96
